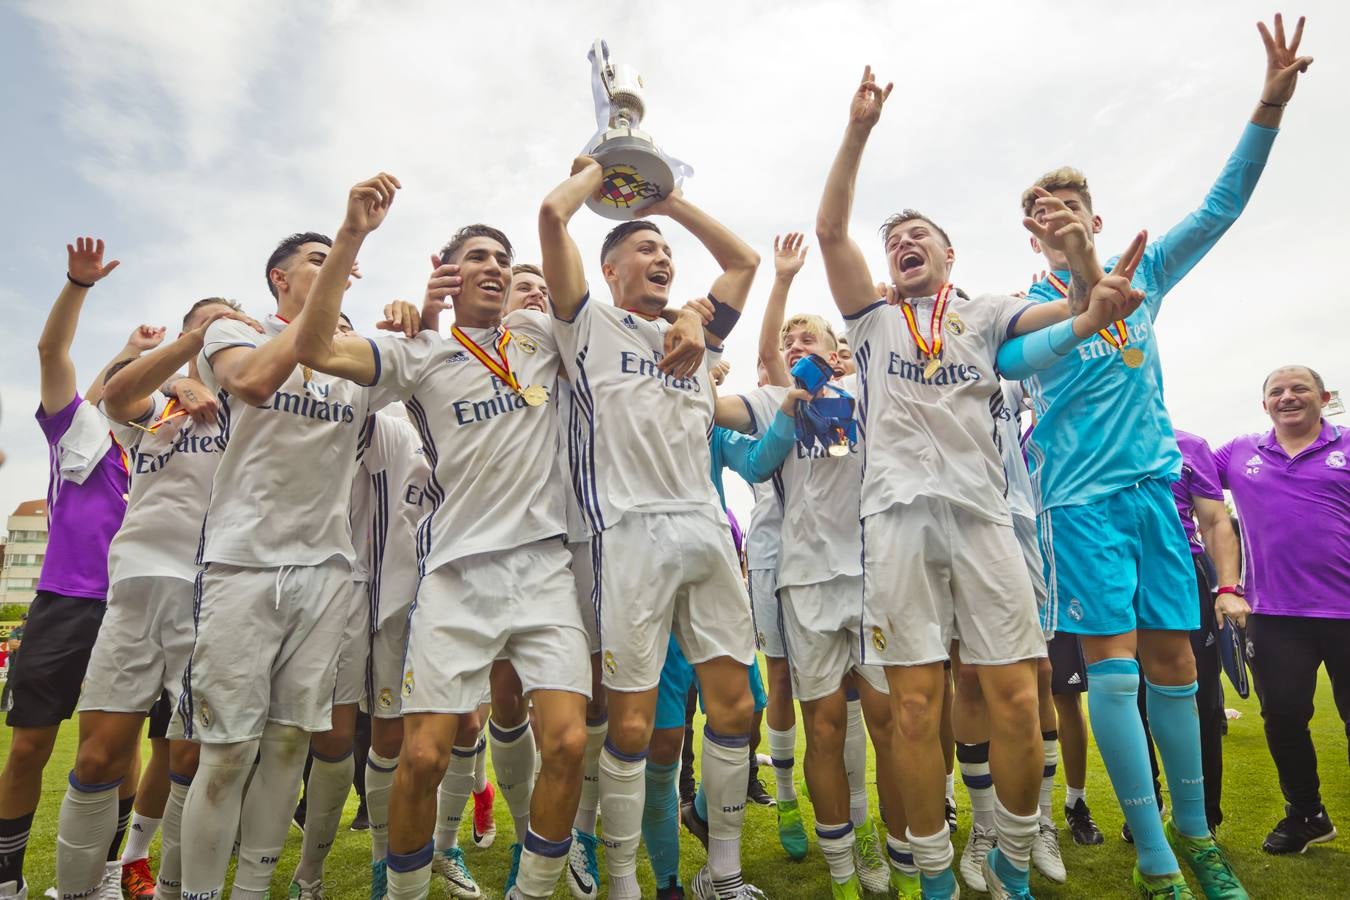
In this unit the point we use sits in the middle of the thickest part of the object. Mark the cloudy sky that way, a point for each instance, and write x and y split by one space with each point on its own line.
192 137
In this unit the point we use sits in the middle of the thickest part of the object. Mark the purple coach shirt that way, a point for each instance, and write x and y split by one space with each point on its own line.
1295 516
1199 478
81 517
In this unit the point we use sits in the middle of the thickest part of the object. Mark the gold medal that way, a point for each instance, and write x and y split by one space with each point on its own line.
931 348
534 395
1132 357
840 449
931 369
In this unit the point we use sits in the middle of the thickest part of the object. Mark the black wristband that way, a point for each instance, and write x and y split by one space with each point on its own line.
1271 105
73 280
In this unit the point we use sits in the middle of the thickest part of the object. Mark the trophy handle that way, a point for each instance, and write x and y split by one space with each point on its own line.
600 53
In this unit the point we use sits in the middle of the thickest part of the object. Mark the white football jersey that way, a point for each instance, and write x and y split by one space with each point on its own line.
171 472
495 481
939 436
573 432
822 495
1021 497
358 517
398 471
648 432
766 519
283 489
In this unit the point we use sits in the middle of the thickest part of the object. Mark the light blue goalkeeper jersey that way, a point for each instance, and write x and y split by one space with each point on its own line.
1100 425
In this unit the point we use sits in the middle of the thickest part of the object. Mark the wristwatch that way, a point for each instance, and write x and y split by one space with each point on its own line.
1234 589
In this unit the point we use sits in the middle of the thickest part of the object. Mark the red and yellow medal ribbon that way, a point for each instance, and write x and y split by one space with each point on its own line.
167 416
934 324
1119 339
499 367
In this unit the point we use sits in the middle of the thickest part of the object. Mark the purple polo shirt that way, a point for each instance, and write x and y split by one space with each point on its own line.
1199 478
1295 516
81 518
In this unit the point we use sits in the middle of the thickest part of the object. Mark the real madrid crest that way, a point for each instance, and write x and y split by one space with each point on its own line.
610 665
408 683
878 638
204 712
386 698
955 326
524 343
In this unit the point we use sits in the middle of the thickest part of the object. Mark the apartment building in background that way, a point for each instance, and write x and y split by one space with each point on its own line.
23 554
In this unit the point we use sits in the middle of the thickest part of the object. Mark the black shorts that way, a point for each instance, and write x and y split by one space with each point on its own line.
1068 669
160 714
46 678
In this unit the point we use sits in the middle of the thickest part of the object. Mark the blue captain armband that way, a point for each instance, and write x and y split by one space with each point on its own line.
1023 356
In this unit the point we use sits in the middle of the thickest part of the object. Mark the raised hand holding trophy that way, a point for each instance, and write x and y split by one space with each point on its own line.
636 172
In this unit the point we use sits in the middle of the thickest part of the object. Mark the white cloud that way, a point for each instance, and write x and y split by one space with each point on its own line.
214 131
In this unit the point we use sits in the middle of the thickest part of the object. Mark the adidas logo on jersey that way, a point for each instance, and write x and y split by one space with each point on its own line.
630 322
458 356
1254 464
1075 678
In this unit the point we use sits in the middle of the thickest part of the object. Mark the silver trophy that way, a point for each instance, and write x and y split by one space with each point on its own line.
636 172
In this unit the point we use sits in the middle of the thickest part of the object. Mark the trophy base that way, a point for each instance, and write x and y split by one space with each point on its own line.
635 174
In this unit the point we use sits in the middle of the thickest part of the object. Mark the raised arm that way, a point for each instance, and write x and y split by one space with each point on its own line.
788 258
1055 226
737 259
316 339
130 384
563 270
1187 242
84 269
845 268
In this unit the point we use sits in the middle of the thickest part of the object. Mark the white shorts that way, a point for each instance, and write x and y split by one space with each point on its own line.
388 649
764 609
583 573
668 572
351 666
143 645
266 649
519 605
820 628
1027 538
934 572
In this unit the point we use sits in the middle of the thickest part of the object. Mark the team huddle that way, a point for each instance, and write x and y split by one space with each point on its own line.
508 530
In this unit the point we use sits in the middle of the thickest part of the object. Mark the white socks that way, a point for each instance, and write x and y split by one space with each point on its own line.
623 791
726 772
836 842
541 864
1050 742
855 762
1073 795
453 796
269 804
513 760
379 785
139 836
974 762
330 781
409 875
211 815
86 827
590 777
169 878
1016 835
782 750
933 852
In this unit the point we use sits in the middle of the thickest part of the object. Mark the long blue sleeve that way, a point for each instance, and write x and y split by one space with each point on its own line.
1168 259
1028 354
754 459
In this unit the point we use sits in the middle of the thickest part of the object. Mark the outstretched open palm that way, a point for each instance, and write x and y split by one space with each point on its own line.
84 260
